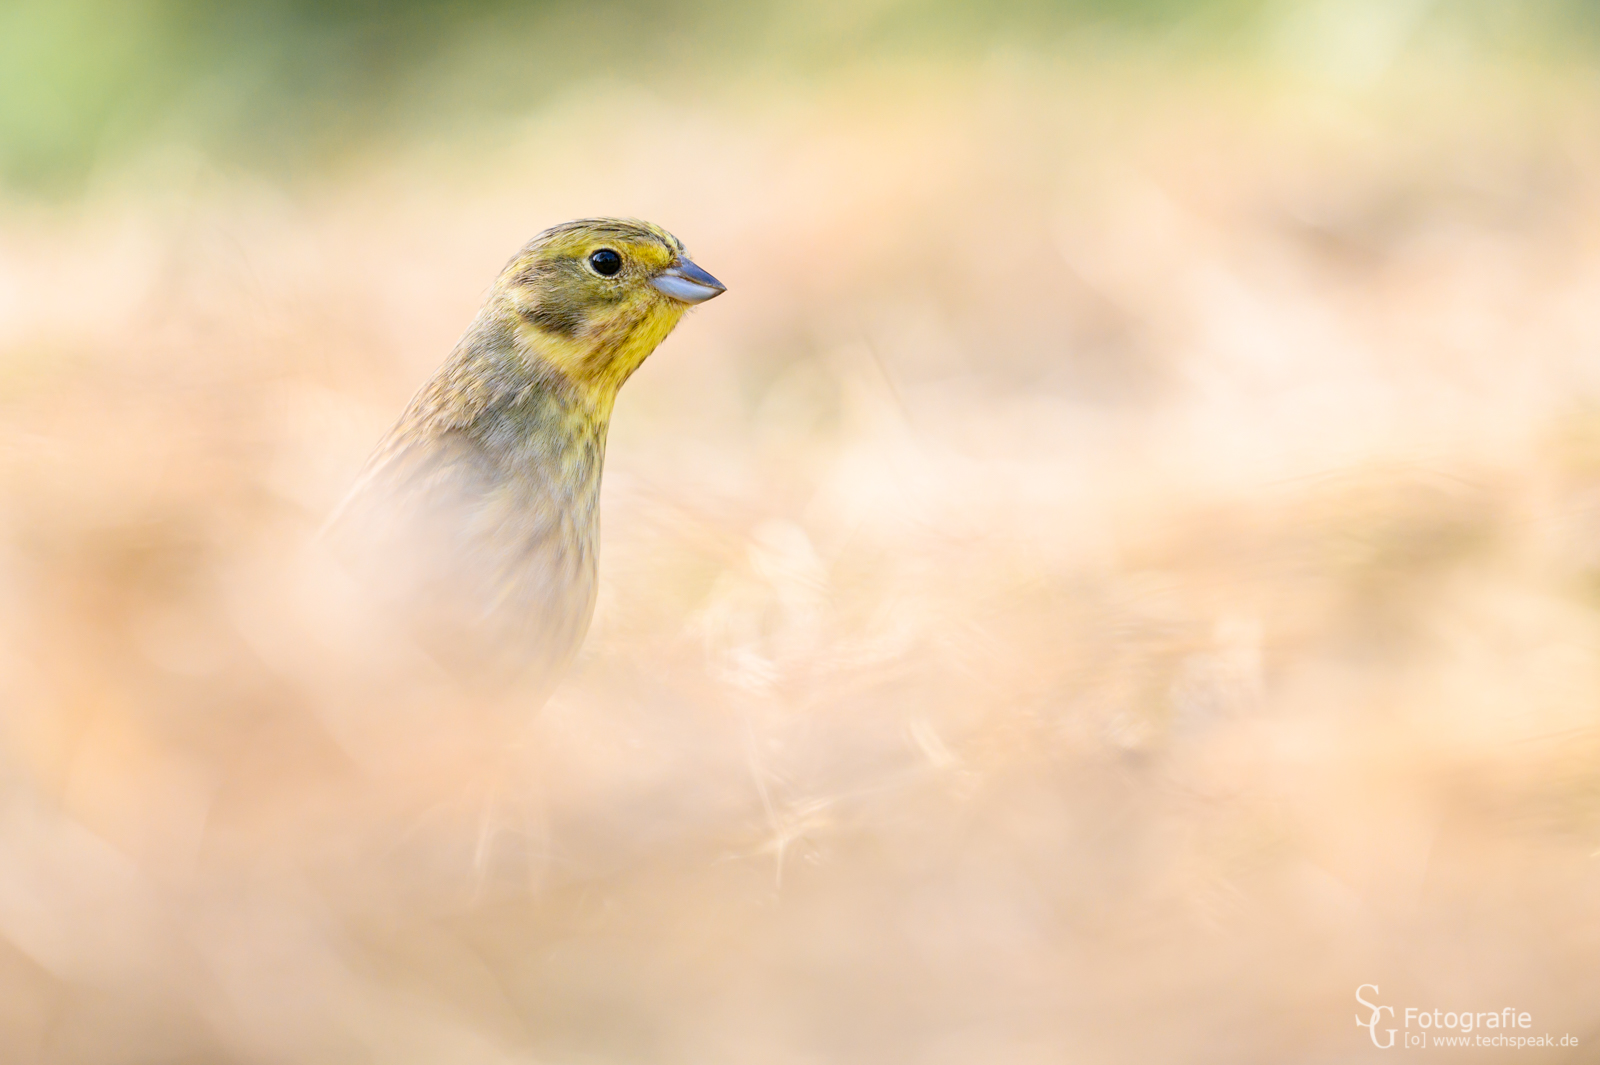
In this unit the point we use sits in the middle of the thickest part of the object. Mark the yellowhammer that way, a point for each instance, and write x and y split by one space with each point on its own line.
477 518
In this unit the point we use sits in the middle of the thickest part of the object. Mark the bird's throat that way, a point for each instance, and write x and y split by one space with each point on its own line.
599 358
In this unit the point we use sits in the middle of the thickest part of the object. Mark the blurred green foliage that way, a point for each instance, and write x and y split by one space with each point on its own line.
274 83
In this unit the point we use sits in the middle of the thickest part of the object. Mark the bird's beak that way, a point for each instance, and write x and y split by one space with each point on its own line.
685 281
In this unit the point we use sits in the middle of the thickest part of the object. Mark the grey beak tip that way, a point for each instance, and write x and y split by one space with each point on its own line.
694 272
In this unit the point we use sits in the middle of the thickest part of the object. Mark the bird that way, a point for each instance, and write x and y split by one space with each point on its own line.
475 522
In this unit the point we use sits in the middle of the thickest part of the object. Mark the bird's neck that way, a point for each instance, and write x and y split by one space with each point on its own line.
517 405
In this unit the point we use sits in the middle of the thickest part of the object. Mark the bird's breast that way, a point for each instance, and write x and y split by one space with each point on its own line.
484 537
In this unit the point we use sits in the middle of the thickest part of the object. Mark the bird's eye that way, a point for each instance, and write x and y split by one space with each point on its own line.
606 262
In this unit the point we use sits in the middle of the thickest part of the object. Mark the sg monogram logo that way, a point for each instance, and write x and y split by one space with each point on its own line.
1371 1023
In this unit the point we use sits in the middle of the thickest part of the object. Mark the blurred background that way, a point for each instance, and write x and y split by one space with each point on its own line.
1119 569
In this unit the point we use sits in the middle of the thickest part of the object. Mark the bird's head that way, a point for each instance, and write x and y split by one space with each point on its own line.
593 298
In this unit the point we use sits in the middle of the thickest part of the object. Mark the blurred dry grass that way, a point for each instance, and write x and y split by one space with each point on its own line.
1118 570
